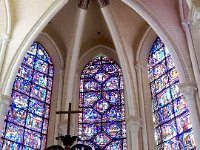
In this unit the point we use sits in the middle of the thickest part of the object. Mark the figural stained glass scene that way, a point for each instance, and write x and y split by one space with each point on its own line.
173 127
26 123
102 121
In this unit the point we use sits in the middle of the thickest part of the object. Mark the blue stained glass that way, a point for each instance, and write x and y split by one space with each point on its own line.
25 72
102 106
38 92
159 70
112 69
175 91
114 114
172 144
29 60
91 115
166 113
101 77
34 122
184 123
51 70
41 54
19 100
47 111
40 79
41 66
89 98
173 74
157 45
173 127
102 139
14 133
164 97
33 49
114 145
48 97
11 146
102 121
112 83
36 107
91 85
26 123
113 97
187 140
90 71
50 83
22 85
170 63
180 106
113 129
168 130
44 139
89 130
17 116
45 126
32 139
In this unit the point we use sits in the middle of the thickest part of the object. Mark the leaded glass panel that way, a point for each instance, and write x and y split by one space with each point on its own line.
173 127
102 121
26 123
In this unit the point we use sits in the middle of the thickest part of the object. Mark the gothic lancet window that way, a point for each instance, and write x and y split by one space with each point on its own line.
26 123
173 127
102 121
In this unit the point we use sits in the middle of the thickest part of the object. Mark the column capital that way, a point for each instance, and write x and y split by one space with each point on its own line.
133 124
103 3
61 72
4 37
194 16
139 66
83 4
5 99
188 90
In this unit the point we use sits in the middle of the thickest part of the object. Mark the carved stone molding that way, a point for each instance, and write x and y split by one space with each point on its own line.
4 103
133 124
83 4
4 37
103 3
188 90
195 13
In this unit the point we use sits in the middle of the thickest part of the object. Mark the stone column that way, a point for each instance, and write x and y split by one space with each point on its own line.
138 69
189 90
4 106
4 39
73 55
59 103
132 128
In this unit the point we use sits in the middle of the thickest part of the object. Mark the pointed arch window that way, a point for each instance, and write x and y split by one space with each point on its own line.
173 127
26 123
102 121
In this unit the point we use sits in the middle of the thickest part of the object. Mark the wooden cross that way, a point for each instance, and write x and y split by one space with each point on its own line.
69 112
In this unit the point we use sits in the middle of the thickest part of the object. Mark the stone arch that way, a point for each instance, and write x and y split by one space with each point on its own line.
162 33
26 42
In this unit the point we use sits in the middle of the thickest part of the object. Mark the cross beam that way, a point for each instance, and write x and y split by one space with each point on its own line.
69 112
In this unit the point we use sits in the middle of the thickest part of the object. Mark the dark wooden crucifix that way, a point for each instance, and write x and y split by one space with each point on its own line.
69 112
68 140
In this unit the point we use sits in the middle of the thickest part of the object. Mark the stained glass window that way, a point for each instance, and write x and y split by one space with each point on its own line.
173 127
102 121
26 123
